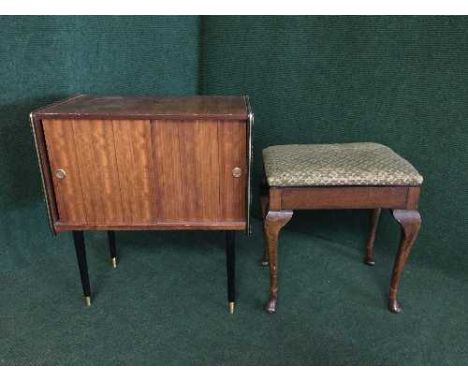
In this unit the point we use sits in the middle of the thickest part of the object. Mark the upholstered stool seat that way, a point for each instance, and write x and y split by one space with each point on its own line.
352 164
339 176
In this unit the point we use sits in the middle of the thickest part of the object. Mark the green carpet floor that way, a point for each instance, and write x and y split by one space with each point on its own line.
166 302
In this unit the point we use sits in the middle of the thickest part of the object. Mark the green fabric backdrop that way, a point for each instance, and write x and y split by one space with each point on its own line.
400 81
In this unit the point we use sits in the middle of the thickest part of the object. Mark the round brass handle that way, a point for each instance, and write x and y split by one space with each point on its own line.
60 173
236 172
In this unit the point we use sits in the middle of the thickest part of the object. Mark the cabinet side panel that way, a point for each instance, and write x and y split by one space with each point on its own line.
44 166
232 153
134 153
62 155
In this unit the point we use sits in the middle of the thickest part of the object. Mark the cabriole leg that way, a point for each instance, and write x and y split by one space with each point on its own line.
274 221
264 205
231 269
78 240
410 222
112 248
374 222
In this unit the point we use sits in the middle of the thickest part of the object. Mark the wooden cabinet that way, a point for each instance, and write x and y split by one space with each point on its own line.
114 163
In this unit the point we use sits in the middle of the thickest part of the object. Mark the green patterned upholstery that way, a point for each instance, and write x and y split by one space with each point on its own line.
344 164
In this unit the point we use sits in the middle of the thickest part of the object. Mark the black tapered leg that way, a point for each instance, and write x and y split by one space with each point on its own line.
231 268
78 240
112 247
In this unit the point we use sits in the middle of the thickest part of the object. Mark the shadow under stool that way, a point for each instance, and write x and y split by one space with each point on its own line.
339 176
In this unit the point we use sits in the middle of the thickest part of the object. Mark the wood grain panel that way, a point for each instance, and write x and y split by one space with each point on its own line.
134 155
136 172
124 159
232 153
186 175
82 131
95 148
110 167
61 151
187 168
167 167
346 197
198 144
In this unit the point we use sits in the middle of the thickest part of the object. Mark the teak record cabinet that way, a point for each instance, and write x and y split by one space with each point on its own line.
146 163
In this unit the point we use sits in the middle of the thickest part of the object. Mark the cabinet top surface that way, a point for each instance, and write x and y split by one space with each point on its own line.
180 107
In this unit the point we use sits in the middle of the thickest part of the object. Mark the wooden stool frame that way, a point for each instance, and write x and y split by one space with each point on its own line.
278 203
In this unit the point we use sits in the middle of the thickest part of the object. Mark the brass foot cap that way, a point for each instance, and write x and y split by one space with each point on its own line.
394 306
88 300
369 262
264 263
270 306
231 307
114 262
